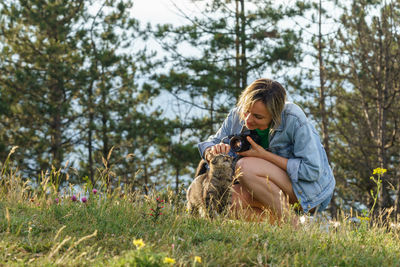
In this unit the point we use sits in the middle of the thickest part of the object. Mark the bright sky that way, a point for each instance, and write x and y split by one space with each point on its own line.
162 11
167 11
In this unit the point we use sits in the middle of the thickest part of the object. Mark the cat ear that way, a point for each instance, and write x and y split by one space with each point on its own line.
213 159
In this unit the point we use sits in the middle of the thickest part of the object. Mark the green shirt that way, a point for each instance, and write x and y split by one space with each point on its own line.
264 134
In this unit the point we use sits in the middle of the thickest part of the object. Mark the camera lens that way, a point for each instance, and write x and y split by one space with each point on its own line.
236 144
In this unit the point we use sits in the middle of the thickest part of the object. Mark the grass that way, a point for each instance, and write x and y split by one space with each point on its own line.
117 230
102 231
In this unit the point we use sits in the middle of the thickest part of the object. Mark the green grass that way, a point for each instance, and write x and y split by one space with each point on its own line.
37 231
100 232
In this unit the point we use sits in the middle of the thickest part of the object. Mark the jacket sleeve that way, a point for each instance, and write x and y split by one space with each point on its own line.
224 131
308 161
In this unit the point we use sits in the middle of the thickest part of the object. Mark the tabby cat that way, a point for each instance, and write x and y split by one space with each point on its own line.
210 191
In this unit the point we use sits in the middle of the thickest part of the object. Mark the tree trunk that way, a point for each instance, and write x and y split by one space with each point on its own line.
146 179
322 81
104 128
322 99
90 134
397 201
56 127
237 47
243 73
177 180
240 47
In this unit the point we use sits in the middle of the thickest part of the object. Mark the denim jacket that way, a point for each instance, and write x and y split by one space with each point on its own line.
297 140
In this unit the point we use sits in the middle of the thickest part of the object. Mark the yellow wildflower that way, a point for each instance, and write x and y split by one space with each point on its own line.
169 260
379 171
138 243
361 218
197 259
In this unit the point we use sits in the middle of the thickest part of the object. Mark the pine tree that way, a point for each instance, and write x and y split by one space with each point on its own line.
69 85
111 79
229 43
366 88
114 103
41 75
312 87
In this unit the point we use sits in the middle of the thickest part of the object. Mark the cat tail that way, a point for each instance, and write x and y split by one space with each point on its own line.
201 168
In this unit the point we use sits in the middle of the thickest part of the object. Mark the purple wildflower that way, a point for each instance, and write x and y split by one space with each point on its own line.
94 191
56 200
84 199
73 198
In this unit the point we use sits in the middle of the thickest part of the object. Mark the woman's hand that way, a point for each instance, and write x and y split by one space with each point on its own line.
255 150
220 148
259 152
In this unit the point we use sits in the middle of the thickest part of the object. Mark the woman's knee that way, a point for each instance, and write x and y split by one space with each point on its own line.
240 164
243 166
249 164
241 196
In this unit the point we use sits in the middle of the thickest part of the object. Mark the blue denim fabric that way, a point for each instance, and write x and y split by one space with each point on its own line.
321 207
297 140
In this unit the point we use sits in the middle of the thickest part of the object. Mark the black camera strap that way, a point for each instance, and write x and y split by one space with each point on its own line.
244 128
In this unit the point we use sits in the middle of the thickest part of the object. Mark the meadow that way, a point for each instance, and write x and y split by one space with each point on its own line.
40 227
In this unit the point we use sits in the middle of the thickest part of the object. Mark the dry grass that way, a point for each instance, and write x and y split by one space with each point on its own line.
36 230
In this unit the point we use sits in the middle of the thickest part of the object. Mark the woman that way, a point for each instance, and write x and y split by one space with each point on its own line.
289 165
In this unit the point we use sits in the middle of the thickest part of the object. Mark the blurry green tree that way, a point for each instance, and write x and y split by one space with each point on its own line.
111 100
41 73
312 87
364 79
69 85
229 42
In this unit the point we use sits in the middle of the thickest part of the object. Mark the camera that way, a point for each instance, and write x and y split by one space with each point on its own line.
239 142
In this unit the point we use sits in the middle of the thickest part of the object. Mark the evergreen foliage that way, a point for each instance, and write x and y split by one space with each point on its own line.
80 88
365 85
232 42
41 73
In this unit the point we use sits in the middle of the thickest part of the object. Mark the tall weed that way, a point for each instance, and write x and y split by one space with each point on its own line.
117 227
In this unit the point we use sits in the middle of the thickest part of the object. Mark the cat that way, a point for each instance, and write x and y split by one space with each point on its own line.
210 192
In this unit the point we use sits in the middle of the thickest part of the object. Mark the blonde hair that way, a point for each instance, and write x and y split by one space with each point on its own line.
269 92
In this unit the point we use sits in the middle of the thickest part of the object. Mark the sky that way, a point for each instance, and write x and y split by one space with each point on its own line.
162 11
167 11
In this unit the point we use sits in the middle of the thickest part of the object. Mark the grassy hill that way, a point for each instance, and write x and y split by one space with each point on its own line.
119 231
38 227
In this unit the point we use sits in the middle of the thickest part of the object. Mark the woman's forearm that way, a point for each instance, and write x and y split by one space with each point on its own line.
279 161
